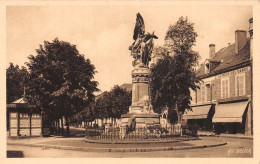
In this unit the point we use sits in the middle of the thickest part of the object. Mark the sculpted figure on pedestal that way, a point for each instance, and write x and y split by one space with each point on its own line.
142 47
141 112
148 107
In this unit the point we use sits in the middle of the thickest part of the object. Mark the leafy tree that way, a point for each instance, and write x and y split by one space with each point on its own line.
113 104
174 74
61 80
121 100
88 114
15 82
103 106
85 115
181 36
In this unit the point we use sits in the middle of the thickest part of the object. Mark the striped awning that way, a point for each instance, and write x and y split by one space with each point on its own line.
231 112
198 112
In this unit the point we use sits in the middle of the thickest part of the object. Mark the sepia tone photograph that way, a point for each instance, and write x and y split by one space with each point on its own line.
129 80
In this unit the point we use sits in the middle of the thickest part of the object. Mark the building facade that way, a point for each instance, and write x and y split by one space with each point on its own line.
223 102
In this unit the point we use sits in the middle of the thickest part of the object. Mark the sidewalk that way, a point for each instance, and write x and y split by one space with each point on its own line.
235 136
242 136
79 144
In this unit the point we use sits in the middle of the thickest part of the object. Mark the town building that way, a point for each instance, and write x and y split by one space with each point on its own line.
224 101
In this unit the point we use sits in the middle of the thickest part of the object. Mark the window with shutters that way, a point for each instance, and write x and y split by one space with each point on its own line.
202 93
225 88
208 92
240 84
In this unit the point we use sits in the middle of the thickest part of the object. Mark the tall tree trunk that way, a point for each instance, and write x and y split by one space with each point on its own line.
67 126
102 122
58 125
177 111
62 127
114 122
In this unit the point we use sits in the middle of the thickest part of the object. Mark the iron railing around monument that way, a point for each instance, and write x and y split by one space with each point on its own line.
140 133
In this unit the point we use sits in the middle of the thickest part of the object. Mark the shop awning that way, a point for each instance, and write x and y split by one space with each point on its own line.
198 112
231 112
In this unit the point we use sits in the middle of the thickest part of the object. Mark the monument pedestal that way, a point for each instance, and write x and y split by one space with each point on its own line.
141 112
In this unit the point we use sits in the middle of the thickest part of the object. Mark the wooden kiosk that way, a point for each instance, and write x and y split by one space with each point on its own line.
23 120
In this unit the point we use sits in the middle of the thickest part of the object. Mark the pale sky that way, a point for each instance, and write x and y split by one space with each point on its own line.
104 33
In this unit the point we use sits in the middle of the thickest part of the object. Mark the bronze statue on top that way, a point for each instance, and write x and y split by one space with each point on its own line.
142 48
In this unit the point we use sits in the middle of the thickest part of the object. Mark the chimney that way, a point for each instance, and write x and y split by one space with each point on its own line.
251 37
240 40
211 51
251 27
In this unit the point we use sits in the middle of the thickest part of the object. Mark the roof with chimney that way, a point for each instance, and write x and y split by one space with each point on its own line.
228 60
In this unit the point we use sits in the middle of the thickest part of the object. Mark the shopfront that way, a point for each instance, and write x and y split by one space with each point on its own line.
200 117
231 117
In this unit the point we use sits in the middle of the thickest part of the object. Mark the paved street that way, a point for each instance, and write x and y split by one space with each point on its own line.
235 148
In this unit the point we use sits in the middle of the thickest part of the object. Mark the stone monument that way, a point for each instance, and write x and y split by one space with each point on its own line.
141 112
